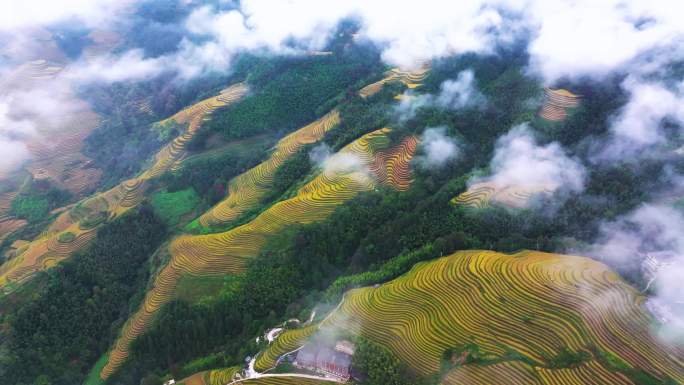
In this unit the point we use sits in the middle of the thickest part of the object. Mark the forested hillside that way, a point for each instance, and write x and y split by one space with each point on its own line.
208 196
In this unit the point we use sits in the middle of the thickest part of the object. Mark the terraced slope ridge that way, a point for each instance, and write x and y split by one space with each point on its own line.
511 317
246 190
360 166
56 146
557 103
484 194
212 377
82 220
8 224
410 78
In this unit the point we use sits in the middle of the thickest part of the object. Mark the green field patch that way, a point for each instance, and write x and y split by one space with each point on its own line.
93 220
66 237
94 375
31 208
193 288
172 206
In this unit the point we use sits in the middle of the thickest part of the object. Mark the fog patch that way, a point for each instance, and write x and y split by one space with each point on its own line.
340 163
650 240
637 127
454 94
460 93
519 161
438 148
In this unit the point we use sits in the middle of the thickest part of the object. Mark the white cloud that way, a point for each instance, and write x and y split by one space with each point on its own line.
438 147
568 37
31 13
454 94
651 237
519 161
320 154
593 38
14 154
637 125
410 103
12 131
131 65
340 163
460 93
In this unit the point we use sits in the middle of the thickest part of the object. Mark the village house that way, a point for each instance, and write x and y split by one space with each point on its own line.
319 358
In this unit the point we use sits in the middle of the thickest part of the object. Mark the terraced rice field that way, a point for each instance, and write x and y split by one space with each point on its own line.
28 74
532 303
518 373
411 79
83 218
8 225
246 190
56 147
228 252
57 156
212 377
556 104
286 342
484 194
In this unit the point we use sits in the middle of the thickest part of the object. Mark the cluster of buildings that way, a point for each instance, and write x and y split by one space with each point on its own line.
326 360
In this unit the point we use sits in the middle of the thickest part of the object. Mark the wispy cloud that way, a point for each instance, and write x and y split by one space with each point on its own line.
438 148
638 125
454 94
649 239
522 162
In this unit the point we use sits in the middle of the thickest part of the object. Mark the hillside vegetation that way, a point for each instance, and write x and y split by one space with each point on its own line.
224 253
84 218
292 199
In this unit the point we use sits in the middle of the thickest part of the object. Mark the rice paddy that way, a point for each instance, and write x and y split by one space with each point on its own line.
520 310
410 79
56 146
227 253
246 190
483 194
557 103
8 225
212 377
83 219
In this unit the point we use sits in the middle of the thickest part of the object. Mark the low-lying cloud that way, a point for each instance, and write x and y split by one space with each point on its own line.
438 148
519 161
336 163
650 239
454 94
637 127
460 93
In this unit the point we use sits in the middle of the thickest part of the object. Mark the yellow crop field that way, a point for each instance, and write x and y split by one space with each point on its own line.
228 252
247 189
505 373
532 303
519 373
56 148
483 194
556 104
411 79
57 153
83 219
8 224
286 342
211 377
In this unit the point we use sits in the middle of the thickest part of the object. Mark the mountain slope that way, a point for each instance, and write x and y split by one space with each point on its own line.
527 313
